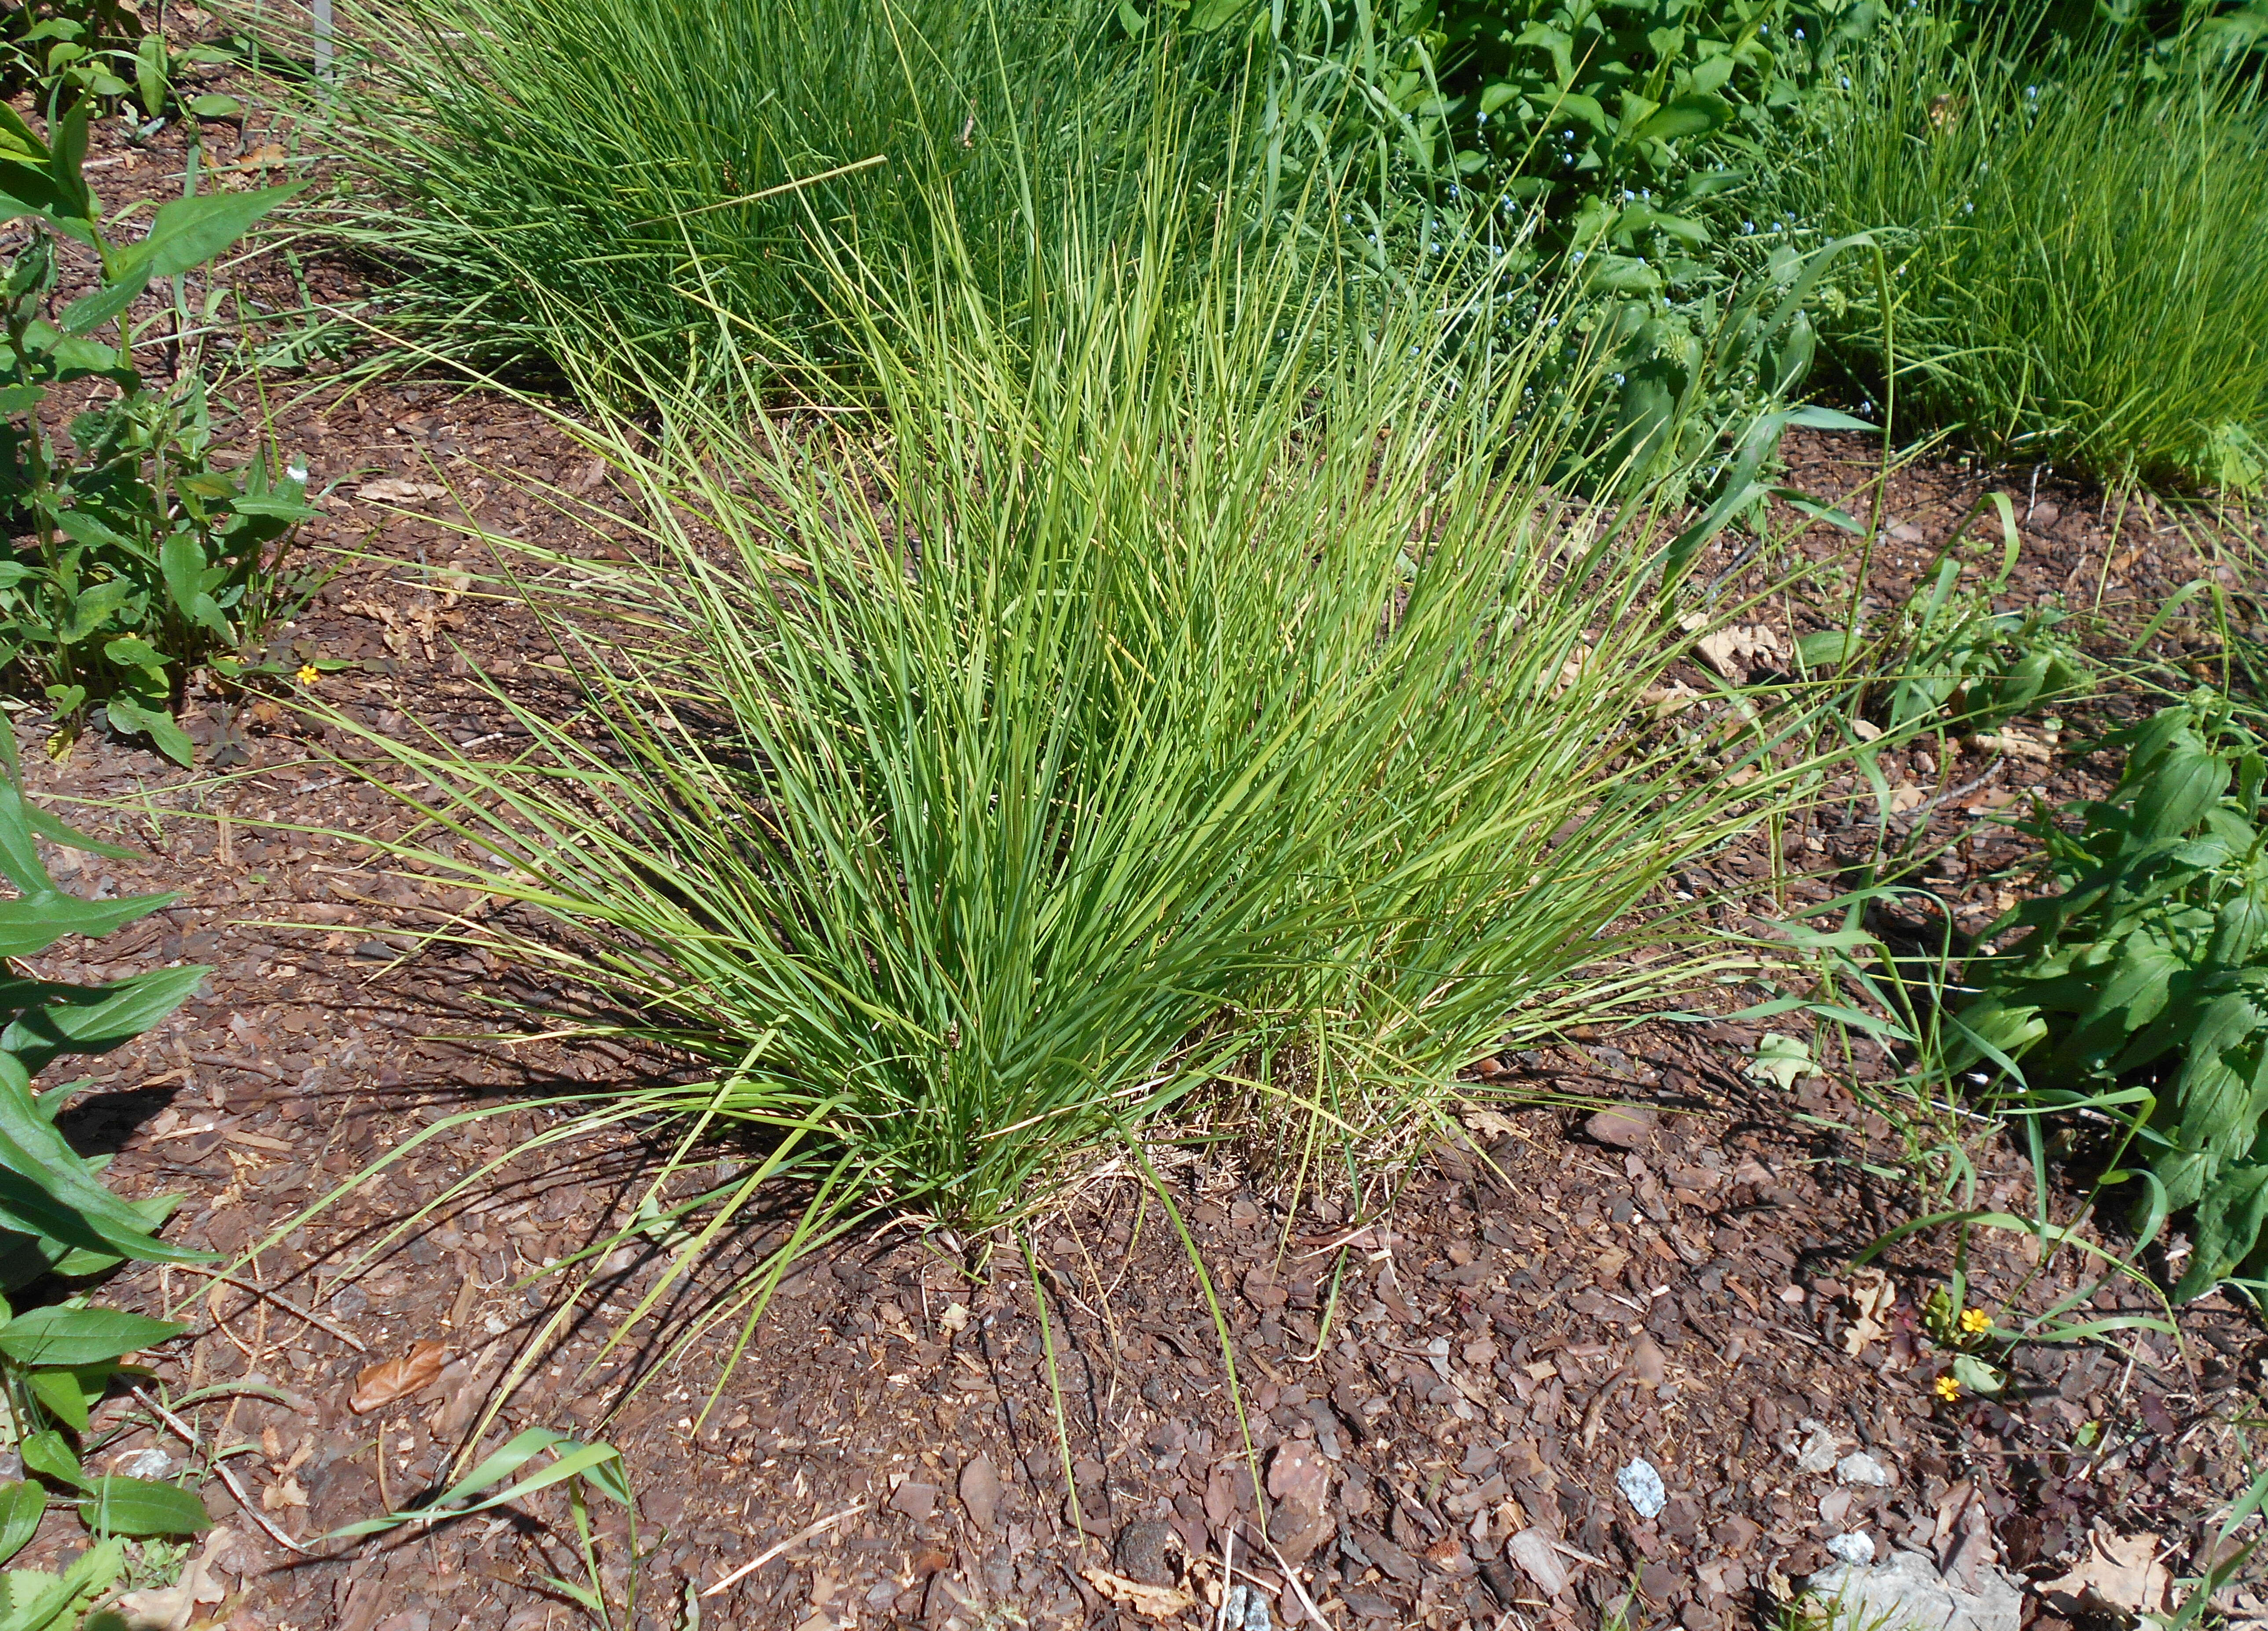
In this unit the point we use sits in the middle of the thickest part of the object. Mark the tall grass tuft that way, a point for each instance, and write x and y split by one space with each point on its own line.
1177 670
2084 247
533 173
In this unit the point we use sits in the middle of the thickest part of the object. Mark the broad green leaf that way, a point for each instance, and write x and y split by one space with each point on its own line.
32 923
69 1393
2228 1223
95 1020
22 1504
141 1506
44 1188
128 718
89 312
39 1601
189 231
49 1455
56 1336
1978 1376
131 650
1686 115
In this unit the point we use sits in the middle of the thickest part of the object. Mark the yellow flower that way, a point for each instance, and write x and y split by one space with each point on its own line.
1975 1320
307 675
1948 1389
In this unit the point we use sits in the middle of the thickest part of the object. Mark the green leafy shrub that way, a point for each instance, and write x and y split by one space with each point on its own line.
136 555
2142 984
56 1219
1947 657
2077 243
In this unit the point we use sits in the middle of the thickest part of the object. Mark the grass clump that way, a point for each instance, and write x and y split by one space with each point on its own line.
591 172
2081 247
1157 687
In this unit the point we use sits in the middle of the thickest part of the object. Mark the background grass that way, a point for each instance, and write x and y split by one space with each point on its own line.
537 172
2079 246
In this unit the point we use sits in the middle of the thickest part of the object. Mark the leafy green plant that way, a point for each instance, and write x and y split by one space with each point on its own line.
56 1219
582 1470
2140 986
31 1600
139 554
1947 657
2079 236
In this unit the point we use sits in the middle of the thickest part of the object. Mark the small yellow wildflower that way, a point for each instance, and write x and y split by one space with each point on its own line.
308 675
1976 1321
1948 1389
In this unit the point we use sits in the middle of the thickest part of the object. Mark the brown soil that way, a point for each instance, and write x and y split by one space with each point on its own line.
1451 1353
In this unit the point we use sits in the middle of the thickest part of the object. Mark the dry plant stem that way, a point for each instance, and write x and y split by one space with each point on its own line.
288 1307
188 1435
792 1541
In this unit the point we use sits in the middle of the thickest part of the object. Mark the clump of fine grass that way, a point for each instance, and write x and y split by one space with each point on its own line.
2081 247
1181 669
540 173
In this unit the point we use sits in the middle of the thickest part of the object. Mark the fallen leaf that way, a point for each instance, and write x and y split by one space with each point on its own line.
1151 1601
172 1608
2016 744
1872 1296
1734 651
284 1492
1906 796
392 490
380 1384
1489 1124
1783 1060
2120 1573
955 1317
1531 1552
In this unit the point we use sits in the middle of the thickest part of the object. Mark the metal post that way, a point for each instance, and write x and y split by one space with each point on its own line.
323 39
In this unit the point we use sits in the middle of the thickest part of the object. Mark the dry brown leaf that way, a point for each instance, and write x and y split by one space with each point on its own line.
1906 796
380 1384
284 1492
1871 1296
2120 1573
2016 744
172 1608
393 489
1151 1601
1735 651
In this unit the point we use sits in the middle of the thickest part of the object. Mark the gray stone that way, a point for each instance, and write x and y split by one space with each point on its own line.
1855 1549
1245 1608
1906 1593
1641 1487
1816 1453
1862 1469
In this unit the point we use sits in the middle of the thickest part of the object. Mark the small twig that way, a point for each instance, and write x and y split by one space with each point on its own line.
1597 1413
795 1540
188 1435
1292 1579
251 1068
288 1307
